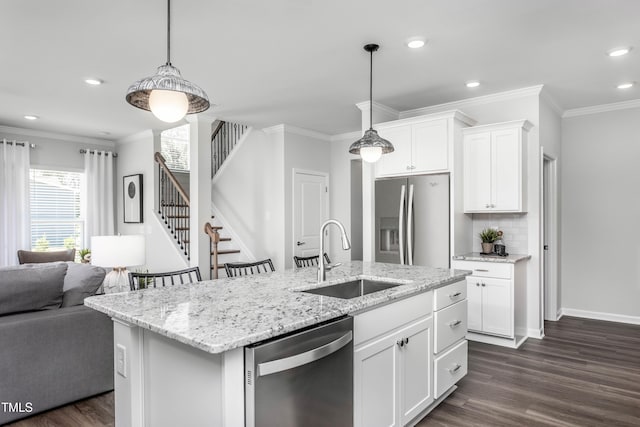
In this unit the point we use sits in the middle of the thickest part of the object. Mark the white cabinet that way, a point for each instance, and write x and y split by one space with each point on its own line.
494 167
490 309
450 328
393 362
496 301
421 147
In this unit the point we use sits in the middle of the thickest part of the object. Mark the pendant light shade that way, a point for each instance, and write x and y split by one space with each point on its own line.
166 94
371 146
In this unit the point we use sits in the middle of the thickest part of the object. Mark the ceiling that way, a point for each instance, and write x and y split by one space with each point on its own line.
301 62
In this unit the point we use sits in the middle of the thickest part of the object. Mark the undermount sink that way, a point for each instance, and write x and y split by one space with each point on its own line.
353 289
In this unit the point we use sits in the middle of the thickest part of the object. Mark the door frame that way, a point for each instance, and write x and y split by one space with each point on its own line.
550 288
295 172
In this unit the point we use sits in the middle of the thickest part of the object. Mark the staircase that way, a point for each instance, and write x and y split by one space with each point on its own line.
174 211
174 205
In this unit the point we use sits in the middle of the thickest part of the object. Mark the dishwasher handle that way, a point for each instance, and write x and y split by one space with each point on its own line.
284 364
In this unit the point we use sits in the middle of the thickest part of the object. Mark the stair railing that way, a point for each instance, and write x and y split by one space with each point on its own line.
173 205
223 139
214 239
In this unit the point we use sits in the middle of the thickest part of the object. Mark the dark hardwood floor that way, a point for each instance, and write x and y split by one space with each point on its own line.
584 373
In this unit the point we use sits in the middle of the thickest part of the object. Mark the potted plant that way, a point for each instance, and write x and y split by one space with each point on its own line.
85 255
488 236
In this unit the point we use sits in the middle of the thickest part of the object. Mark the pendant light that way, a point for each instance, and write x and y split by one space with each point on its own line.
166 94
371 146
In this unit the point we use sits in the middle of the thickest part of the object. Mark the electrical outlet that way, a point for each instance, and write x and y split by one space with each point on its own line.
121 360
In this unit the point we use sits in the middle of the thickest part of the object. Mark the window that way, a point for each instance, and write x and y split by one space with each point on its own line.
56 222
174 146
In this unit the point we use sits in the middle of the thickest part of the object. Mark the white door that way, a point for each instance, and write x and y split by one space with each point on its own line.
310 210
477 172
497 314
375 377
430 148
506 174
397 162
416 369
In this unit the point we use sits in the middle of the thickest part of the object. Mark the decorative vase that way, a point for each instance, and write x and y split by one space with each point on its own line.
487 248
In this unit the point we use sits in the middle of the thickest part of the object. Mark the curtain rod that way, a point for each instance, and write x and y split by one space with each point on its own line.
83 150
19 143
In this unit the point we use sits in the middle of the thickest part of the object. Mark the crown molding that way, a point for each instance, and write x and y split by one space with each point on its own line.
282 128
596 109
479 100
364 106
57 136
546 96
524 124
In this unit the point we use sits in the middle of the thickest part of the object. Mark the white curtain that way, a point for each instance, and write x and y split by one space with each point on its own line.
99 206
15 217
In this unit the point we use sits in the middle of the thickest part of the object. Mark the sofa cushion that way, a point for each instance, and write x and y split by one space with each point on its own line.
30 288
32 257
81 281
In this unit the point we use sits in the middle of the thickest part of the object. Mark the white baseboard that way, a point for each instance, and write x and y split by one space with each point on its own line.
611 317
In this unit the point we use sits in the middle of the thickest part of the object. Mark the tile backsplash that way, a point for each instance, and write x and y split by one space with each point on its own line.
514 227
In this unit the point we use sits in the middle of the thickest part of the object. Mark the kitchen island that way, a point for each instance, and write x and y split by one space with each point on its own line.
179 351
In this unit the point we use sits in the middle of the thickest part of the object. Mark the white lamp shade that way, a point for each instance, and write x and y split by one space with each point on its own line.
118 251
168 105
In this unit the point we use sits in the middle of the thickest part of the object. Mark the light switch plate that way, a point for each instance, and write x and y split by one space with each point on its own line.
121 360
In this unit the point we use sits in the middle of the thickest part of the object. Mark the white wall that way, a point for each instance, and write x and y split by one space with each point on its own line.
340 192
56 151
249 192
303 150
135 155
600 213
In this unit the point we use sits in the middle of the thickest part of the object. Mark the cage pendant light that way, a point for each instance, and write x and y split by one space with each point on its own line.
166 94
371 146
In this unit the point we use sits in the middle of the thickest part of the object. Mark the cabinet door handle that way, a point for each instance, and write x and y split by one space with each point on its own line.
493 206
408 168
483 284
400 343
487 206
454 369
477 284
454 323
406 341
456 295
412 167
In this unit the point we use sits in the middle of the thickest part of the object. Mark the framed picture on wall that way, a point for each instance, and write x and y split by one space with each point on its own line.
132 191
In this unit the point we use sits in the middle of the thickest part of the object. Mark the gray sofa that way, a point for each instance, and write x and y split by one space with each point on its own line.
53 349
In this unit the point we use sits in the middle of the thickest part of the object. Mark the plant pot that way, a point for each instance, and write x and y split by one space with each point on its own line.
487 248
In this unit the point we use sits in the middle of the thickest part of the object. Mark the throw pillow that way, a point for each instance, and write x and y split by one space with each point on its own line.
32 257
31 288
81 281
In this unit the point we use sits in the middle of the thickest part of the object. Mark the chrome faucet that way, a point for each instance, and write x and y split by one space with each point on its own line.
322 267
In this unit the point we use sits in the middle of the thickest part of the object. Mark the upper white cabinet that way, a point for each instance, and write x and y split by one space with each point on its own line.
495 167
422 144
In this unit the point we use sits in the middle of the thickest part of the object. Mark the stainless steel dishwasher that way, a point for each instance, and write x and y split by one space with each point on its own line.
302 380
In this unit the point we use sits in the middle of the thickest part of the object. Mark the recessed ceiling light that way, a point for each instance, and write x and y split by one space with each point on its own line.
473 83
30 117
416 42
93 82
619 51
626 85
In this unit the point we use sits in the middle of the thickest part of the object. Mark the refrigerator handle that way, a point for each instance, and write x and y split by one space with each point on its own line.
401 224
410 227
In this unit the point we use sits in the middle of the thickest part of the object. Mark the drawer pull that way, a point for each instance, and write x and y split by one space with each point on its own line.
454 370
454 323
482 270
456 295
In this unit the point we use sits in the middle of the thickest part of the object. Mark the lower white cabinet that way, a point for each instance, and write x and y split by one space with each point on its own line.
392 376
490 307
396 377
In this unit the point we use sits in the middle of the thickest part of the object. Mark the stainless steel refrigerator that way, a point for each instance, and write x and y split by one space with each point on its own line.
412 220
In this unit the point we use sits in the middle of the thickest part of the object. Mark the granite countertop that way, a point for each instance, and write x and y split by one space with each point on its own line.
476 256
220 315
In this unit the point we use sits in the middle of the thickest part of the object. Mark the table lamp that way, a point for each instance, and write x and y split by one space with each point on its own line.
118 253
